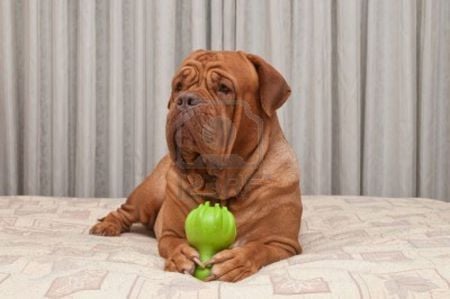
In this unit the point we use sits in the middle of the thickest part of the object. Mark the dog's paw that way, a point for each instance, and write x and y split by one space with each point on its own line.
183 260
232 265
106 228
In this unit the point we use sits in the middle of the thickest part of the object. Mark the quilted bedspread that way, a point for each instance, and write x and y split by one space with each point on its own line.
354 247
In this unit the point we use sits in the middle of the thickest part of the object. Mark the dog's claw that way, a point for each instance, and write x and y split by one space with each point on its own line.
198 262
209 262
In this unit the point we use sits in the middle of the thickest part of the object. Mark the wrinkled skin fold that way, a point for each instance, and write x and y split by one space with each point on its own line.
225 145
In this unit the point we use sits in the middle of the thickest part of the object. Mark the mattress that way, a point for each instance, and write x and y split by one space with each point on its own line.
354 247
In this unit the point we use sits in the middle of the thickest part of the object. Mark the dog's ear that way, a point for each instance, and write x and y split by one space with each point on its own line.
273 88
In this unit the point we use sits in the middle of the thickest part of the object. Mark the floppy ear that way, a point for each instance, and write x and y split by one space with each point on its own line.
273 88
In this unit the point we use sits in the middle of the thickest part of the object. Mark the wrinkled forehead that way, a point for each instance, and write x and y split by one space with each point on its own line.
229 63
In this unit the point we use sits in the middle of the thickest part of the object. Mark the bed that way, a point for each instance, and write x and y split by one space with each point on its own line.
354 247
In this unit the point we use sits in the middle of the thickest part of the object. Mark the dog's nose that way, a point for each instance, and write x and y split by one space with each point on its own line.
188 100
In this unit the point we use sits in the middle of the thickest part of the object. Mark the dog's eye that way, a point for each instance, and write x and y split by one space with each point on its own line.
224 89
178 87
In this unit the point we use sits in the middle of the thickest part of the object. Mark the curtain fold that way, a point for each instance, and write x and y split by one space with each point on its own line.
9 147
84 88
85 136
138 129
59 79
31 98
116 96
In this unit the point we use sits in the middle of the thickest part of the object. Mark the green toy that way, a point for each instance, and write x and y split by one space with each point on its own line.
209 229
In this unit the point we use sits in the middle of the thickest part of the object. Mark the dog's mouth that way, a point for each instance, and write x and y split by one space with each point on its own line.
185 146
182 138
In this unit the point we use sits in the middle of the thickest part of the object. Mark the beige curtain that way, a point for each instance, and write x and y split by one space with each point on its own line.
84 85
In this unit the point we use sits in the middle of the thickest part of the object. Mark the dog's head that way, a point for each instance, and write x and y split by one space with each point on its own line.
217 109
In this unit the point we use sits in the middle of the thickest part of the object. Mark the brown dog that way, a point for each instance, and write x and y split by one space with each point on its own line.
225 145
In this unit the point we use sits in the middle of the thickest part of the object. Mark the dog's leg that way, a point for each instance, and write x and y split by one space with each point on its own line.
141 206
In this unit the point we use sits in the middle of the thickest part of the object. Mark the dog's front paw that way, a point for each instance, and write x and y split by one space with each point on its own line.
106 228
183 260
232 265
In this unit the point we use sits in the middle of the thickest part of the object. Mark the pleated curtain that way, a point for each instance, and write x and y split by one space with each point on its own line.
84 87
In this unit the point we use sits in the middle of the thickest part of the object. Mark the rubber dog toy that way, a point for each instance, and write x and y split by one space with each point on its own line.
209 229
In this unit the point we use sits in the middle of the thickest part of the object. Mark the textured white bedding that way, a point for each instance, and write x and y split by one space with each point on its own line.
354 247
